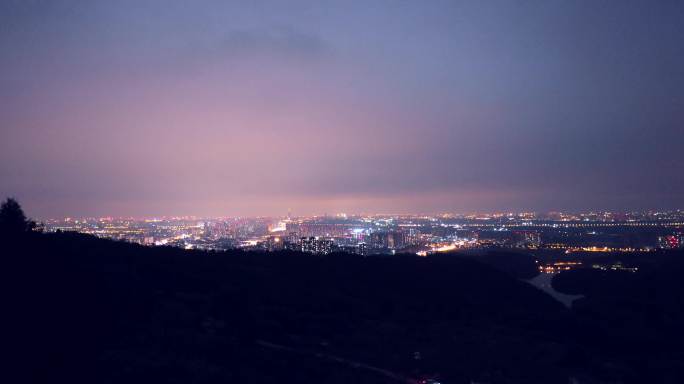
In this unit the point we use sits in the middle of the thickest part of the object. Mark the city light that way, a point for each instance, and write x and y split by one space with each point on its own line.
390 234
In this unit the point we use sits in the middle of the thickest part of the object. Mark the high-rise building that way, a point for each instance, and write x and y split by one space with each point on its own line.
319 246
388 239
362 249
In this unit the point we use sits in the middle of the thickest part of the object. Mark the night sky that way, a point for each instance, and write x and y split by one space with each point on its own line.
253 108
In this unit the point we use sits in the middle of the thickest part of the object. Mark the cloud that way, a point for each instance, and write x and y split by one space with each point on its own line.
267 44
283 40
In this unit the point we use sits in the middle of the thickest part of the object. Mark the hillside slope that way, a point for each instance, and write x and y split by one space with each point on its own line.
90 310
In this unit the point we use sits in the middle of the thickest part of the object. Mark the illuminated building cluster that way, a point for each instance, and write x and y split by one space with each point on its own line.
389 234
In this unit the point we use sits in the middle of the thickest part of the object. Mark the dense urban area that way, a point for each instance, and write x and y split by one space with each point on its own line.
552 234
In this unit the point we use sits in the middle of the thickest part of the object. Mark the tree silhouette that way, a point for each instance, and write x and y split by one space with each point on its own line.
12 218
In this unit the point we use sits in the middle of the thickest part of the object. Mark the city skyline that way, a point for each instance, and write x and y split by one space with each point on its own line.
563 233
150 108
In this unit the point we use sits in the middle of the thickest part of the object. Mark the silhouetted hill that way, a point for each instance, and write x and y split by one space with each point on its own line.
84 309
517 264
635 318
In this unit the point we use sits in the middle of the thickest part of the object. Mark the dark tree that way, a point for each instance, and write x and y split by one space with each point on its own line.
12 218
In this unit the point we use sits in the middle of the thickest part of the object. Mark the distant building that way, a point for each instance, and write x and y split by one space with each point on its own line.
526 239
669 242
495 238
315 245
388 239
362 249
411 237
274 243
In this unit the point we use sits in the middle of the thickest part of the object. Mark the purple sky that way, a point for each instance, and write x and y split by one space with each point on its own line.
253 108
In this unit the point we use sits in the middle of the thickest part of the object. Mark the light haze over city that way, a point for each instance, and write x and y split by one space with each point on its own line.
210 108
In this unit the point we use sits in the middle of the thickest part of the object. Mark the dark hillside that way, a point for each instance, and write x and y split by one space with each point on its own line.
84 309
517 264
635 317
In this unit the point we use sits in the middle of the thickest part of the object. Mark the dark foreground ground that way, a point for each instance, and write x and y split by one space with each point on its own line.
87 310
